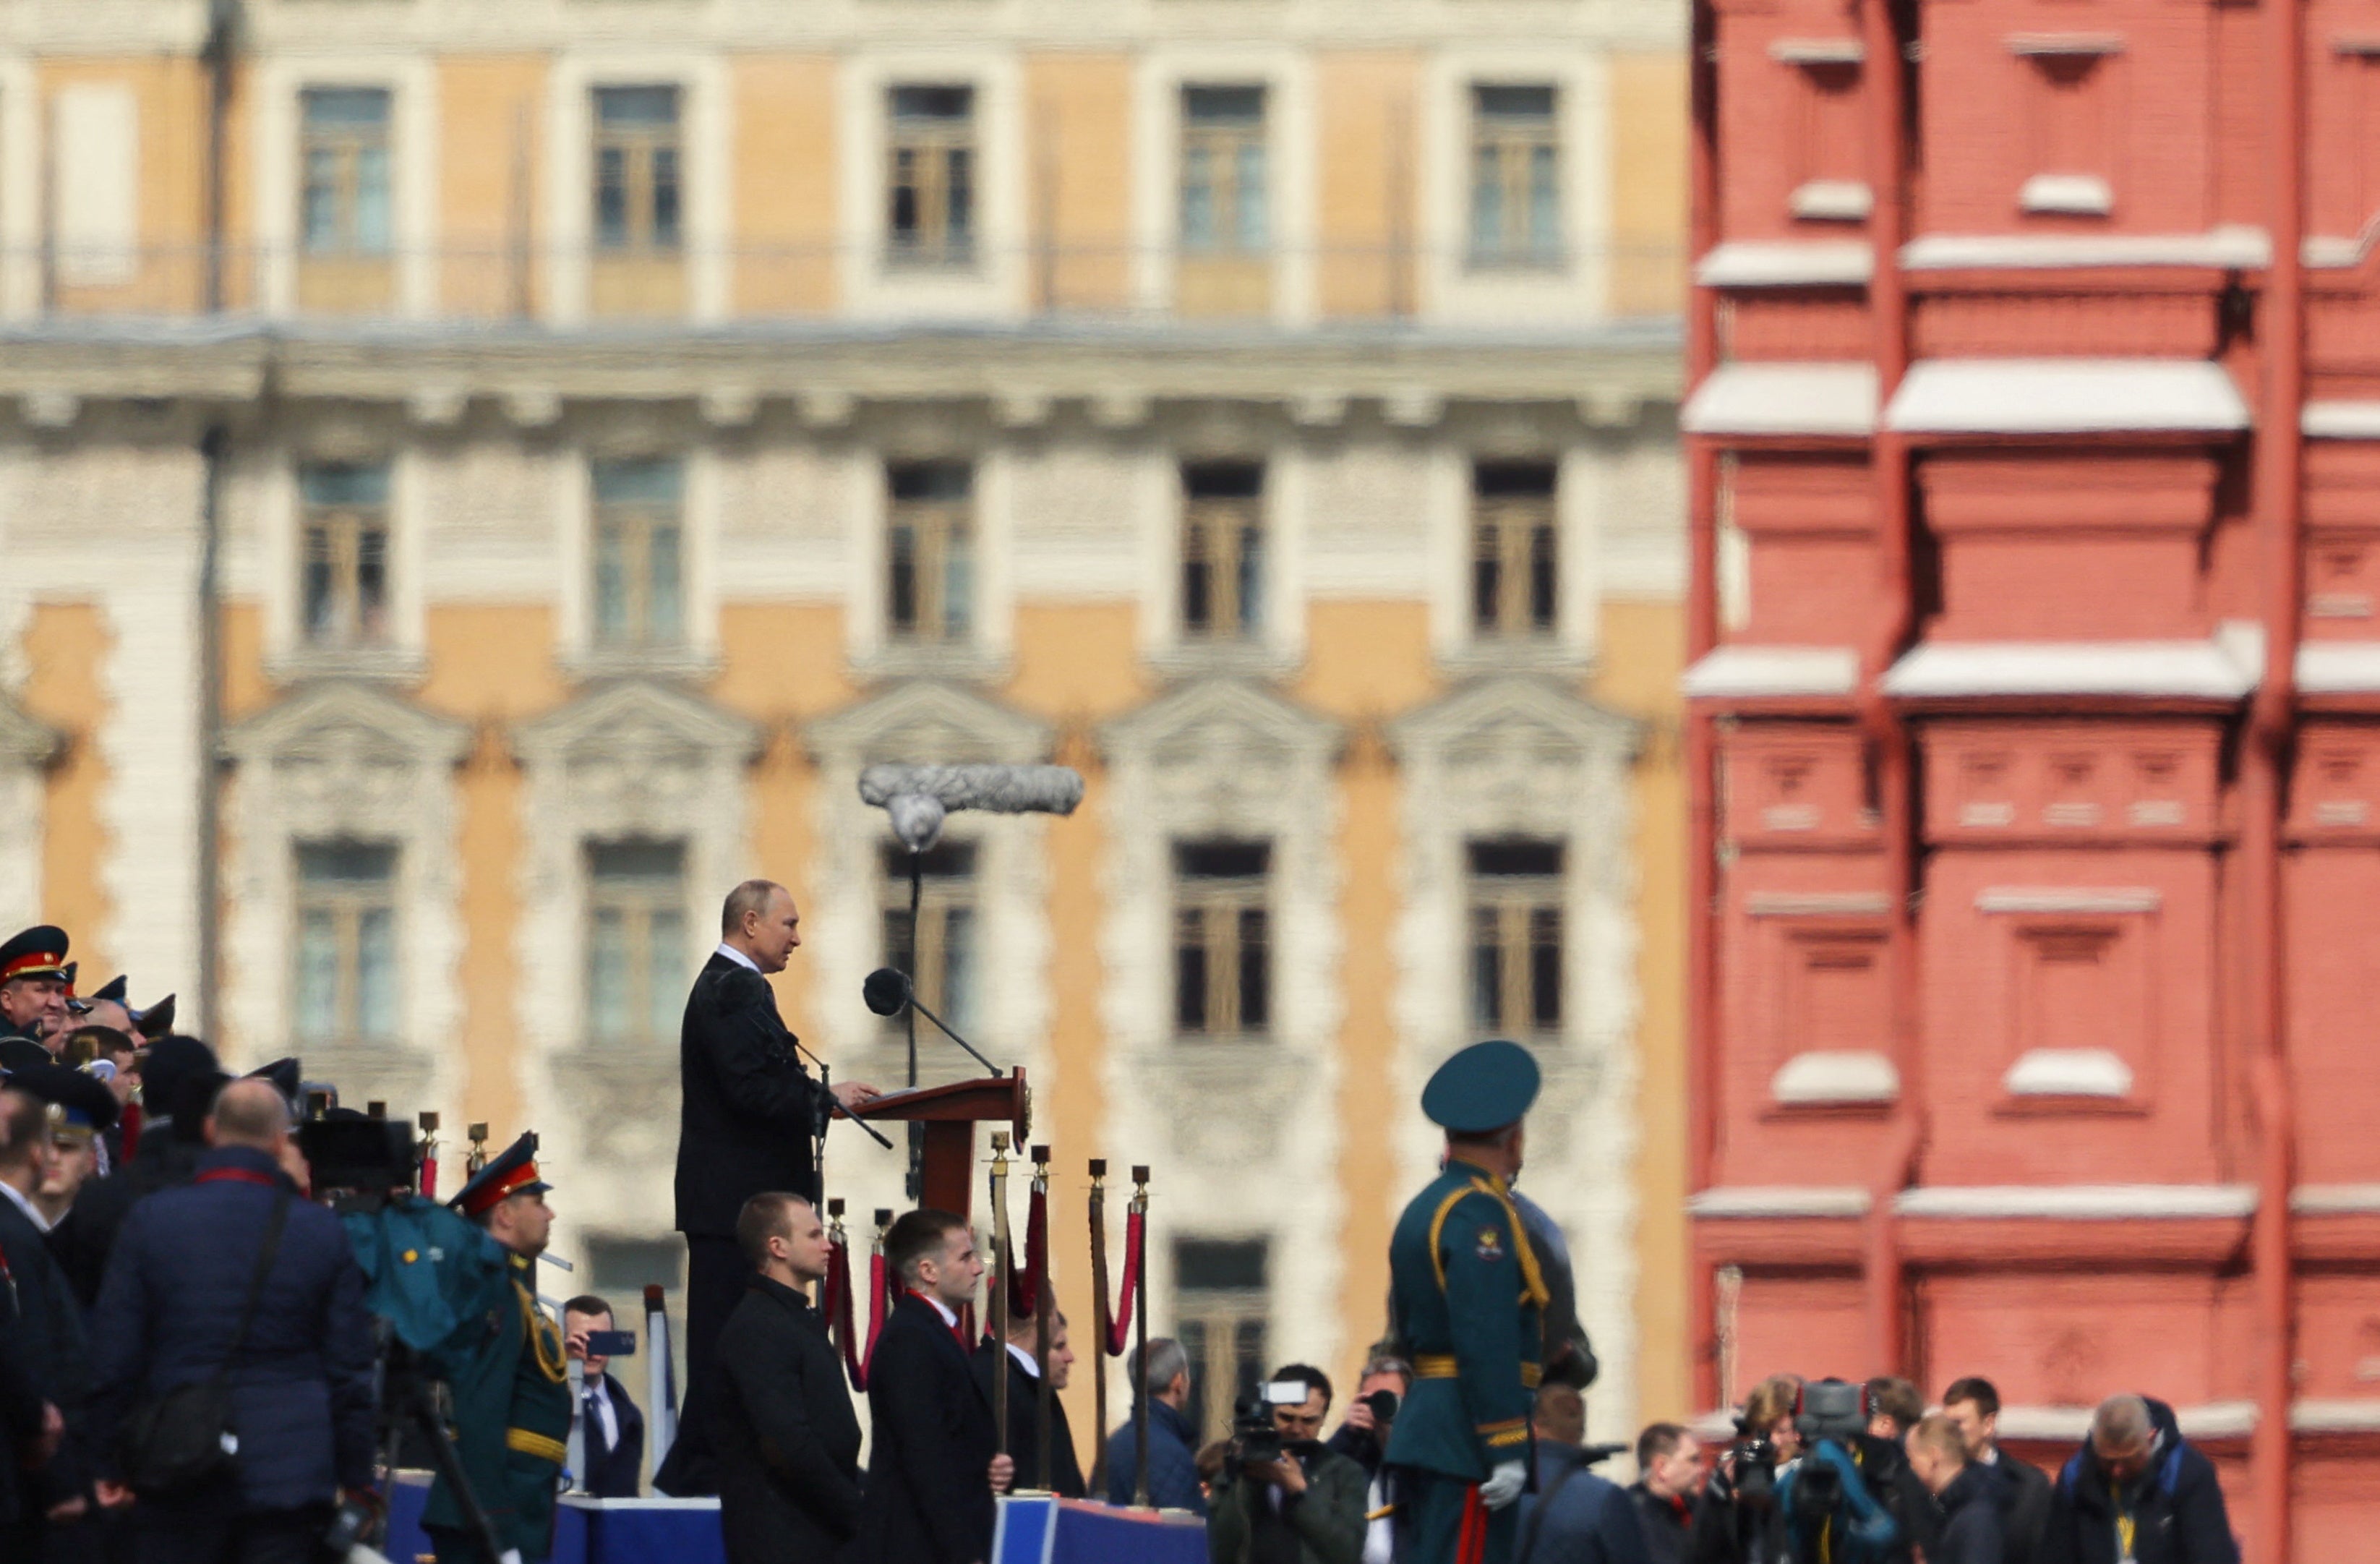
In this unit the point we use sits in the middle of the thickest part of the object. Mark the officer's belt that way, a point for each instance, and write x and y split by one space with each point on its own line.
538 1445
1431 1366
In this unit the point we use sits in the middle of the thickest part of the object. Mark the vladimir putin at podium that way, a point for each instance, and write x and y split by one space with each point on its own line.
751 1115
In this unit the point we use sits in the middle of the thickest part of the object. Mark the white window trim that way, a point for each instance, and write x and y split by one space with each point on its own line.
699 524
1452 289
22 149
1581 480
1280 644
414 152
1286 73
706 126
997 285
866 616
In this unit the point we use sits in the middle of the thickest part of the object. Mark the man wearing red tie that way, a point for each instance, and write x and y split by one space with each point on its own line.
932 1471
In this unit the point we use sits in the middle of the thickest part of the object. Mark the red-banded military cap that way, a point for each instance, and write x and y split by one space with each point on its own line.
38 951
511 1171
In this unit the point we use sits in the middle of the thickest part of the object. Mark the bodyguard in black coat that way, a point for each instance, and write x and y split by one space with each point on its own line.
932 1471
750 1115
1065 1475
779 1410
47 1361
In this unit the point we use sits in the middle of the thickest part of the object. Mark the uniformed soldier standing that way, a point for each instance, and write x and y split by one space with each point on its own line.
1468 1302
511 1401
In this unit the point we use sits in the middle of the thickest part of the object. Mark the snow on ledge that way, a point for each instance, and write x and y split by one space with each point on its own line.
2065 396
1749 672
1784 398
2068 1072
2340 420
2229 248
1846 1075
2080 1202
2197 670
1779 1200
2338 667
1787 263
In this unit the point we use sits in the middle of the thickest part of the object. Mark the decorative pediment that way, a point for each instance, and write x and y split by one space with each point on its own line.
1515 716
927 722
26 741
1223 717
653 725
344 728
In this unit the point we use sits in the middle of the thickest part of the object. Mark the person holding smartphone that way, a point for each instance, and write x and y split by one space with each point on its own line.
613 1430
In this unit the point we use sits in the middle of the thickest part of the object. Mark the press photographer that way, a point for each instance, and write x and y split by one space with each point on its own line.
1851 1499
1283 1497
1736 1521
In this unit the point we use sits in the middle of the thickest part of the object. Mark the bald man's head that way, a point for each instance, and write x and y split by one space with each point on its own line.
250 1113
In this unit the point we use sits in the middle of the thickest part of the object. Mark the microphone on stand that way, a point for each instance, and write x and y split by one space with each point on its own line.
888 990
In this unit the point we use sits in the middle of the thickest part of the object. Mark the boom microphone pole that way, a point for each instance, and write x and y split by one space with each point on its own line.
888 992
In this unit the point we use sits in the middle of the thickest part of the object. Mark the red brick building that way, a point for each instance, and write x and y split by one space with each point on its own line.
2035 456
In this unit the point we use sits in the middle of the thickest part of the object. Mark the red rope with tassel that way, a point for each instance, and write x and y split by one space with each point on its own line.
1135 1245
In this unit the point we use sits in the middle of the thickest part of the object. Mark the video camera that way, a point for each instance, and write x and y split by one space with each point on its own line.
357 1163
1836 1498
1255 1437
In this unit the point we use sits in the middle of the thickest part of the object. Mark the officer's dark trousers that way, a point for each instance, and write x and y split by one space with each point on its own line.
207 1534
456 1547
716 1276
1447 1524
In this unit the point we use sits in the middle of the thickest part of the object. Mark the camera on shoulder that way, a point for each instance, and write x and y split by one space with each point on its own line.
1255 1437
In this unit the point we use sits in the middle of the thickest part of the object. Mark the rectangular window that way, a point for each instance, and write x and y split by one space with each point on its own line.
1223 169
636 941
932 180
639 150
1222 972
1516 938
943 965
1513 554
1222 549
345 978
1222 1305
344 555
640 537
344 156
930 539
1515 176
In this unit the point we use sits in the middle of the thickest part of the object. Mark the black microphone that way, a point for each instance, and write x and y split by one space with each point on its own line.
886 991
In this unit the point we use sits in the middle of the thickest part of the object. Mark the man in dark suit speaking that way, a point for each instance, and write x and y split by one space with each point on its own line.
933 1469
750 1117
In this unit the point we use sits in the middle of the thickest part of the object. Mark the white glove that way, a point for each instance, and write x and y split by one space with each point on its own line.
1503 1484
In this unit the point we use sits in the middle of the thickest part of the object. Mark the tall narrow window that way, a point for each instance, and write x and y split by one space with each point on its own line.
1515 176
930 536
639 536
637 152
344 555
1222 549
943 965
932 182
1222 969
1223 169
345 978
1513 554
636 941
1222 1305
1516 938
344 203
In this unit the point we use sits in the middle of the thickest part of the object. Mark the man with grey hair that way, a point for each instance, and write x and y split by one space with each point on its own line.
2138 1493
750 1119
1163 1381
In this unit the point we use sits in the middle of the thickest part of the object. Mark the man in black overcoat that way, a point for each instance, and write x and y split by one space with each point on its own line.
749 1121
933 1470
37 1312
1064 1478
778 1407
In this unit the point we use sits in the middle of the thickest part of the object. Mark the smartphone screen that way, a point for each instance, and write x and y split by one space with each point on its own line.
610 1343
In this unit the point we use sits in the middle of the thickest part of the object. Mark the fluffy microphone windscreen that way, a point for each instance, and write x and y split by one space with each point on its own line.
1002 790
885 991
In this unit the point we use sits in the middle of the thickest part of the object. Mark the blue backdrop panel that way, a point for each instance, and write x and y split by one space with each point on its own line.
1096 1534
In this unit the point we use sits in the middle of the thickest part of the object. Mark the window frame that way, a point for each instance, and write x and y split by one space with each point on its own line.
1518 536
1512 145
637 524
1222 917
1198 1312
337 536
929 157
931 556
1512 909
348 144
639 900
950 889
1223 146
1224 554
645 148
348 905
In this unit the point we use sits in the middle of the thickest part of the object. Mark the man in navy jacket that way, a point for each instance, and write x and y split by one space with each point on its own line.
301 1383
2138 1490
934 1468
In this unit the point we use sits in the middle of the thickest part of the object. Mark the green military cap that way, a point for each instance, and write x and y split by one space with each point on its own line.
1485 1087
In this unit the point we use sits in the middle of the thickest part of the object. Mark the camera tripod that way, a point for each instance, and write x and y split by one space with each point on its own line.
409 1409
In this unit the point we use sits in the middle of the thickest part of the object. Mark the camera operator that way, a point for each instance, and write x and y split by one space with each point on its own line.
1736 1519
1364 1440
234 1270
1851 1499
1285 1498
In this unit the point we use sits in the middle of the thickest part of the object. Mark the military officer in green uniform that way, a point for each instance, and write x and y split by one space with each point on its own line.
36 986
511 1399
1468 1301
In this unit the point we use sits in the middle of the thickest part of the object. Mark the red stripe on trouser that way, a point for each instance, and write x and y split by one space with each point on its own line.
1471 1543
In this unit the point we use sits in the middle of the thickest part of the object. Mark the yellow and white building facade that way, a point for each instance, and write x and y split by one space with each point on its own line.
478 478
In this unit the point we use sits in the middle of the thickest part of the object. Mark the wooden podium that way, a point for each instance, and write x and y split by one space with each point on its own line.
949 1114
